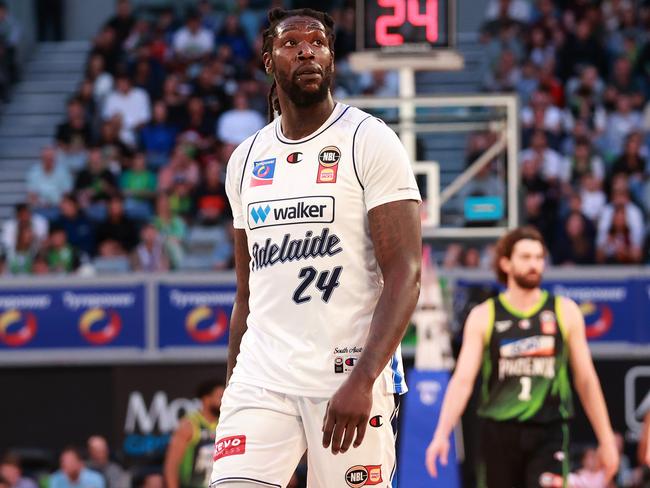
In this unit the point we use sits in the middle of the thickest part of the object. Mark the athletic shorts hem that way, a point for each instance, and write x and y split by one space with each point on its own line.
242 478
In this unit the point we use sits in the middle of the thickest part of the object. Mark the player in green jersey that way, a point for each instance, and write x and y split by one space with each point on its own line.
524 342
188 463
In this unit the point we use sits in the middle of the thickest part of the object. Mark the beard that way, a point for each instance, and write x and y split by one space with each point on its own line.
304 98
528 281
215 411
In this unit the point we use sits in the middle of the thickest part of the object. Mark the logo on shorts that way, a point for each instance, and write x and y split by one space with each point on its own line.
263 172
328 164
359 475
551 480
229 446
376 421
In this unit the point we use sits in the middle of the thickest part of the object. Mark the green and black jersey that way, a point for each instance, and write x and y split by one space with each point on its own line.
525 364
196 465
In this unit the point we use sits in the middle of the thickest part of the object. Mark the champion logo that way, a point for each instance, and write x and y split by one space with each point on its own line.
259 214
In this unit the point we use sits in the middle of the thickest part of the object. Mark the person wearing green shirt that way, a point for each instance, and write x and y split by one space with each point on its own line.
188 462
524 341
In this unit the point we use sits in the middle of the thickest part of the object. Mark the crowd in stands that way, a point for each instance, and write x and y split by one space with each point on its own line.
135 178
94 470
581 71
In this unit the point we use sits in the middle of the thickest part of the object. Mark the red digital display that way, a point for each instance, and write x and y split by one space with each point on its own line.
390 24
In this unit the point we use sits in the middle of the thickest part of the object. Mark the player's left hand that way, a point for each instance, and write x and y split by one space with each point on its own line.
608 454
347 411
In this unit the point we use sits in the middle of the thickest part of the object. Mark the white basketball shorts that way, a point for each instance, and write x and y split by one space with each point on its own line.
262 435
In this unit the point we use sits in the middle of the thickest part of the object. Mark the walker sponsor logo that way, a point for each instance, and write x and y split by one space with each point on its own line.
229 446
530 346
288 211
148 428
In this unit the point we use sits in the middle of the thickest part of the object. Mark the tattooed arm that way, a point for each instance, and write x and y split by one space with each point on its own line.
396 235
240 309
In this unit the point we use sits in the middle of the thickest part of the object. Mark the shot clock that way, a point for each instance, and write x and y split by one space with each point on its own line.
405 26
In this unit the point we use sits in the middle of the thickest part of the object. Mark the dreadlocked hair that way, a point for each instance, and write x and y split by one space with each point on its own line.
276 16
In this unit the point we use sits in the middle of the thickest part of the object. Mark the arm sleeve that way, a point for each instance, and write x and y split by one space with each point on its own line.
233 181
382 165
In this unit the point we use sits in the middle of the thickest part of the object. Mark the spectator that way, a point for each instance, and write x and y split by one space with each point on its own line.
10 34
585 162
210 86
624 81
518 10
123 21
506 76
540 49
210 19
150 255
453 256
73 473
193 42
73 137
118 235
23 217
617 246
235 125
181 169
172 228
581 48
233 36
113 149
130 105
540 114
61 257
619 124
592 196
99 460
101 79
138 184
632 218
211 203
78 229
575 243
198 125
11 471
47 181
21 257
632 164
95 185
550 163
158 137
107 45
174 96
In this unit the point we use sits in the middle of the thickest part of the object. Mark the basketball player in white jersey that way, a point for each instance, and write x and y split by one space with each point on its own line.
327 255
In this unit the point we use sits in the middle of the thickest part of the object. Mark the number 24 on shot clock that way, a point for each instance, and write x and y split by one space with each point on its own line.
404 25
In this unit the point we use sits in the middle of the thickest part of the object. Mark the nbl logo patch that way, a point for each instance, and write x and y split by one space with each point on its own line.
328 164
263 172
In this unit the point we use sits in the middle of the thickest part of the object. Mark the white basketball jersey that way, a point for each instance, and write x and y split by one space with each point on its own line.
314 279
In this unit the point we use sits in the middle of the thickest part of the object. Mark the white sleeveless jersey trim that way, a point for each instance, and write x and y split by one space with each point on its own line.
314 279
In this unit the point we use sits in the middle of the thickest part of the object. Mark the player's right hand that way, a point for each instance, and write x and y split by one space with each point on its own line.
609 459
438 449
